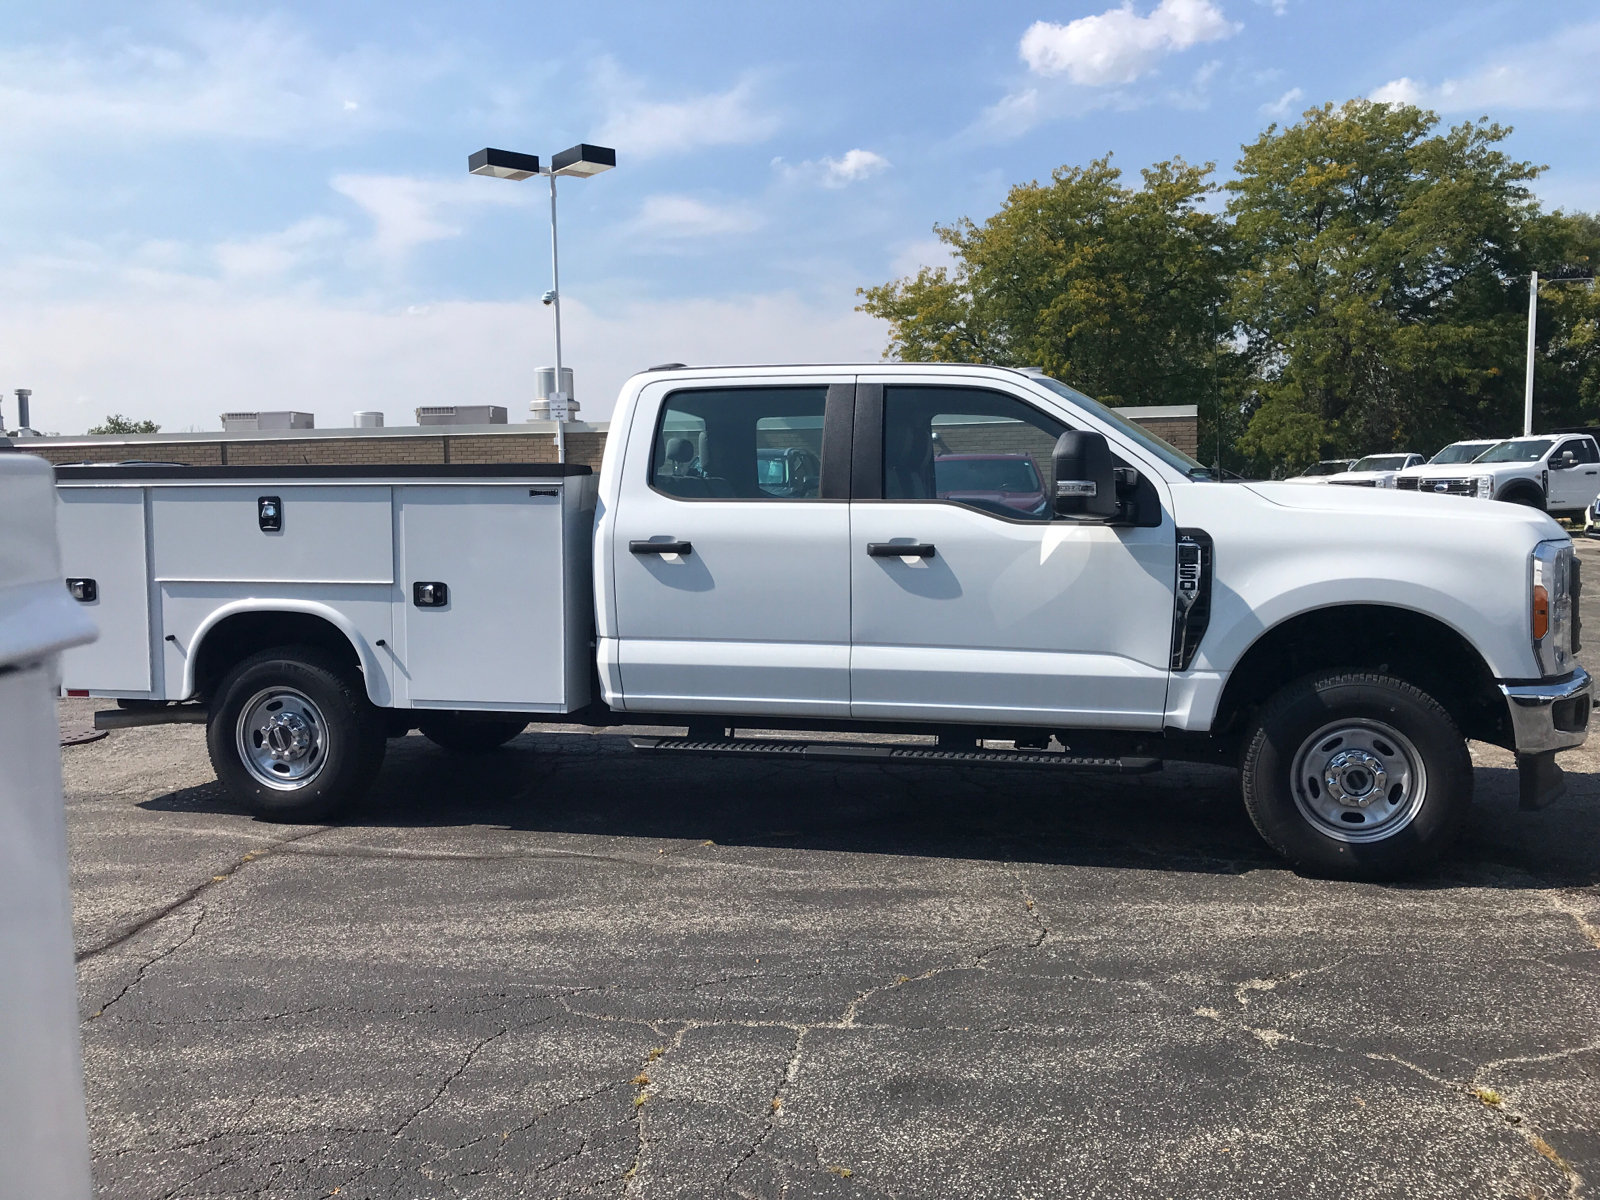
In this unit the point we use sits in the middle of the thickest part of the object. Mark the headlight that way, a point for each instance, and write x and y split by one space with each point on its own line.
1483 487
1550 606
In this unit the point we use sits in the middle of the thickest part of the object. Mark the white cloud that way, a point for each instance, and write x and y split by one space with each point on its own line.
1280 106
851 167
1404 90
408 211
676 216
646 128
276 254
856 164
1118 46
182 361
1558 73
258 79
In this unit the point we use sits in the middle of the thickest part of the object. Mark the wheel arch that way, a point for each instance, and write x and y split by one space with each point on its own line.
1409 645
243 627
1518 488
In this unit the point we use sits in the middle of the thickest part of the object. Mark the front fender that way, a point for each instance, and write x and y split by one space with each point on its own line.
1283 551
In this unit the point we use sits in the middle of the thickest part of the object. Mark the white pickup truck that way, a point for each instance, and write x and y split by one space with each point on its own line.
977 553
1558 473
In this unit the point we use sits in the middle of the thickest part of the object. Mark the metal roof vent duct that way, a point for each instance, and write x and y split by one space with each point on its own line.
241 422
544 386
462 414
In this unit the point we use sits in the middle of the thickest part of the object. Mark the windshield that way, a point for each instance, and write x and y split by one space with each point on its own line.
1166 451
1531 450
1459 453
985 475
1381 462
1327 468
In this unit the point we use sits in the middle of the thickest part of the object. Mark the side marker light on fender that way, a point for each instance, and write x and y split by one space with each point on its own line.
1541 612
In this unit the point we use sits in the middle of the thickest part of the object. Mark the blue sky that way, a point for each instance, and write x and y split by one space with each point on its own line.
229 206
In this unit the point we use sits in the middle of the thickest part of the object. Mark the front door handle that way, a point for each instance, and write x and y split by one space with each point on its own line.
660 547
900 549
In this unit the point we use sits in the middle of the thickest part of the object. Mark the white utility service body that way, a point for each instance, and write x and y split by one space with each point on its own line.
980 553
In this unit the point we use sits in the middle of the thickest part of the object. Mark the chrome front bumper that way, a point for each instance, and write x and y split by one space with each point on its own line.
1550 716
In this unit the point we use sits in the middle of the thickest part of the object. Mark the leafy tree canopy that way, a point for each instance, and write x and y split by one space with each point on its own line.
1366 289
117 423
1378 304
1113 288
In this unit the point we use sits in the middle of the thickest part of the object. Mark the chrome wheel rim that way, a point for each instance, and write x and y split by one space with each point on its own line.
282 738
1358 780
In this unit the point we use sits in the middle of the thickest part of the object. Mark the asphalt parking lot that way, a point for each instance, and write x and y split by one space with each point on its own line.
568 969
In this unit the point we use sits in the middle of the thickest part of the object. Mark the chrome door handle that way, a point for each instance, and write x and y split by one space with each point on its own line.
660 547
900 549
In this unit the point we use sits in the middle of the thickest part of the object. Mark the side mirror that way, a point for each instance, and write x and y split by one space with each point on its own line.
1084 486
1566 460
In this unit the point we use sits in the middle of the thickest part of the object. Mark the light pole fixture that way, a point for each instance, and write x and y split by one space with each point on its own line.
582 161
1568 273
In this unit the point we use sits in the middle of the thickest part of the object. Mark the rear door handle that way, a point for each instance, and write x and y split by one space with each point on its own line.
900 549
660 547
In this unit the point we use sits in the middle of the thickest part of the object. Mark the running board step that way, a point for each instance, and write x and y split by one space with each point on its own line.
869 752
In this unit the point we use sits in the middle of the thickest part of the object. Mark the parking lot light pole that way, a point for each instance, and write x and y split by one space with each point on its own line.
1567 274
583 161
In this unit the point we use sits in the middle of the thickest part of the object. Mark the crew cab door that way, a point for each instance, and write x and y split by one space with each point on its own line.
1577 485
731 562
996 613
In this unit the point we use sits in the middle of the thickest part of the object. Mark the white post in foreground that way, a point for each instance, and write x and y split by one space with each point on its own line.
44 1143
1527 387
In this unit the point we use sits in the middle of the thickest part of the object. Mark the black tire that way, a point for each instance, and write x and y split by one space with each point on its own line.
468 735
1529 496
1301 731
343 730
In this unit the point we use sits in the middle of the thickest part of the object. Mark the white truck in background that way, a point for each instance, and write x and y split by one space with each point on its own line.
1559 473
978 553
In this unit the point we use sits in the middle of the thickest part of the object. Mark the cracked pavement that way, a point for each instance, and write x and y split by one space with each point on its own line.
566 969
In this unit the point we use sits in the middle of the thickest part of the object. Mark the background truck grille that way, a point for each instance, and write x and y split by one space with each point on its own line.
1446 487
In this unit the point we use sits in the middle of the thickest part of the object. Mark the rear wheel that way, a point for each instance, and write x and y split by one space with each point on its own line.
467 735
292 735
1356 775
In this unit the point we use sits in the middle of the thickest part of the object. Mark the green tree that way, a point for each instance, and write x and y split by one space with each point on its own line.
1385 277
117 423
1115 290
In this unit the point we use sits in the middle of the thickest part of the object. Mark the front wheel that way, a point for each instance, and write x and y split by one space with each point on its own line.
1357 775
292 735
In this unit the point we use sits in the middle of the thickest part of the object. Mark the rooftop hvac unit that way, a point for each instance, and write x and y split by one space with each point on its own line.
462 414
369 420
238 422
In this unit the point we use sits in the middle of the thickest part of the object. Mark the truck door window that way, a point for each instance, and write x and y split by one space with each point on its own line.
983 449
740 444
1582 449
1578 446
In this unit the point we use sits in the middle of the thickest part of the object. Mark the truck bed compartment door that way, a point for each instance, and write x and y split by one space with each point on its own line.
103 539
482 596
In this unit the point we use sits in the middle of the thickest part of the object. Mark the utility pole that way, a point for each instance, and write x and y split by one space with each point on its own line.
1563 274
555 292
1527 387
